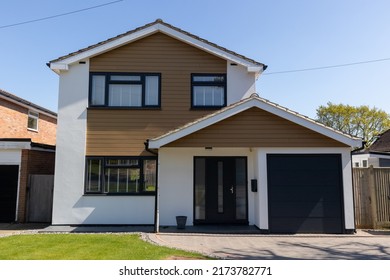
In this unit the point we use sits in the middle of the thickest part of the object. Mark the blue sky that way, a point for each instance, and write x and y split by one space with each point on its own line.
283 34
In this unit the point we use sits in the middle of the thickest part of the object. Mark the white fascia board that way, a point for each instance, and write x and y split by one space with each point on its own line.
254 69
57 67
207 47
15 145
156 144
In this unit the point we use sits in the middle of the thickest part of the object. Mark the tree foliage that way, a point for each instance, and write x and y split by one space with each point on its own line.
361 121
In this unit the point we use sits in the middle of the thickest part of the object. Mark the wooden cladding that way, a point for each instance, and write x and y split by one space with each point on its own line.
123 132
255 128
158 53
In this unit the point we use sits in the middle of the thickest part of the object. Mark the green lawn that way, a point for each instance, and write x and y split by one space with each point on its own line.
85 247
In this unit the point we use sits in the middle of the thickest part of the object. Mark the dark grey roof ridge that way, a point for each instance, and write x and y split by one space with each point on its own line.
26 102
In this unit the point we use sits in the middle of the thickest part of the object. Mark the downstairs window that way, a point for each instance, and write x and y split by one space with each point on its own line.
121 175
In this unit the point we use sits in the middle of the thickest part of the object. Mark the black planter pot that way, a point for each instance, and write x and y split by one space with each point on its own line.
181 222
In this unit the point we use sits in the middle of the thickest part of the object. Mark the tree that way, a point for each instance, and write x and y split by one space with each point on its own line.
361 121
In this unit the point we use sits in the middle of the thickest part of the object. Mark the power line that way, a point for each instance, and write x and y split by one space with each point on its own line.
59 15
327 67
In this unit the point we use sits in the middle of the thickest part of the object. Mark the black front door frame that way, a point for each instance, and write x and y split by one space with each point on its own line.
214 221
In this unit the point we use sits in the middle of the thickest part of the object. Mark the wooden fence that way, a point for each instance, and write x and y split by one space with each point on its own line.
40 198
372 197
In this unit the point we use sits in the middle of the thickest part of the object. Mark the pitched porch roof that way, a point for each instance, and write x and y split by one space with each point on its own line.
252 102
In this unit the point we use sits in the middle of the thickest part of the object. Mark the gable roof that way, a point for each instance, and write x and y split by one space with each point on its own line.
261 103
63 62
382 143
26 104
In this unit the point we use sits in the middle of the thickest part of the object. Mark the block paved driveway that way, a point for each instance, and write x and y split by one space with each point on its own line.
361 246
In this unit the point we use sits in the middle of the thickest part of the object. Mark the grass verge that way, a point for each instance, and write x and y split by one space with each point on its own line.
86 247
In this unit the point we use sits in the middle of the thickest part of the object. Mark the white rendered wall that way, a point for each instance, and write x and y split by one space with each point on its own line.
176 180
240 83
10 157
70 206
372 159
262 222
70 147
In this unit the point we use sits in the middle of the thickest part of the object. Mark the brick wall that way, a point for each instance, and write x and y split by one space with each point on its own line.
33 162
13 124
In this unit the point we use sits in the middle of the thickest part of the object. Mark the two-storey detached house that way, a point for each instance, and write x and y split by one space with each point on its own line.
157 122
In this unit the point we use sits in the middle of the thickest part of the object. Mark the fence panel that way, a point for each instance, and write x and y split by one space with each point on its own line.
40 198
371 196
363 216
382 189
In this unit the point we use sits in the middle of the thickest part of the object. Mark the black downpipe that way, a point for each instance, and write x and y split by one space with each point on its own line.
156 212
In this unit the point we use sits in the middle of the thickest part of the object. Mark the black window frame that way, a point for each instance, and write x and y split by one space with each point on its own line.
140 165
109 82
208 83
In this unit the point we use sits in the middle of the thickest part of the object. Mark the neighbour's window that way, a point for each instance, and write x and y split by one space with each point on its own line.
208 90
32 122
110 175
364 163
356 164
124 90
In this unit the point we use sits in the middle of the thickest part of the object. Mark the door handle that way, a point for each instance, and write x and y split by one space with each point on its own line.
232 189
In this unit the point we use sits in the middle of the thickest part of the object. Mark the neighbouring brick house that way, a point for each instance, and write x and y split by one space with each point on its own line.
27 146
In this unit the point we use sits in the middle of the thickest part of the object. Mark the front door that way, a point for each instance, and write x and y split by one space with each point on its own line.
220 190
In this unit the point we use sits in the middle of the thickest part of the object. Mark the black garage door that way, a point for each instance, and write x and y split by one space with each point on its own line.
8 192
305 193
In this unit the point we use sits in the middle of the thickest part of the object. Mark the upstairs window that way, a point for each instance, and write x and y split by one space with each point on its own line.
32 122
124 90
208 90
